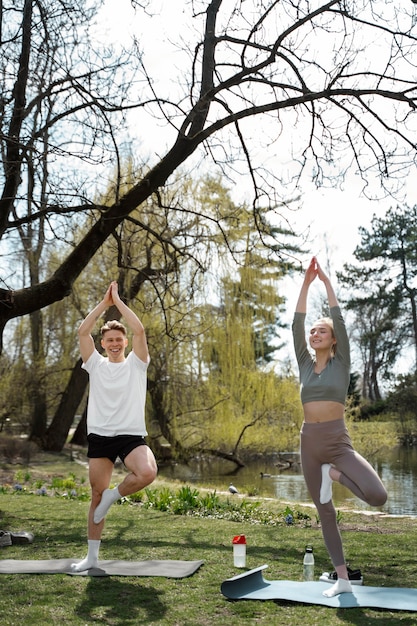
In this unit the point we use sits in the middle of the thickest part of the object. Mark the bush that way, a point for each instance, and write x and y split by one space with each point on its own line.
15 450
188 501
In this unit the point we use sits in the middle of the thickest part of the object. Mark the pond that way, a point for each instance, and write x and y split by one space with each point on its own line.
397 469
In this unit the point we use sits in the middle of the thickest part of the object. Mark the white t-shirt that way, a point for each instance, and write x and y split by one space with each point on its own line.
116 403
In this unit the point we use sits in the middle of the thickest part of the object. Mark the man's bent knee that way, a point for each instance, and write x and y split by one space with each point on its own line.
149 474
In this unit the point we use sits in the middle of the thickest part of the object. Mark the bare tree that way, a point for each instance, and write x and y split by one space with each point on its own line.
336 80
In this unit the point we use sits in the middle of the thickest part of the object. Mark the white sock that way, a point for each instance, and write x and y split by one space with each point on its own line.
107 498
340 586
326 484
91 560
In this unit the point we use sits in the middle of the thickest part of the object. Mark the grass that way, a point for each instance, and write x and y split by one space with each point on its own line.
136 530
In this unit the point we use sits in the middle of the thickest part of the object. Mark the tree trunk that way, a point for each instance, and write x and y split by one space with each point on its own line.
79 437
57 432
156 392
37 393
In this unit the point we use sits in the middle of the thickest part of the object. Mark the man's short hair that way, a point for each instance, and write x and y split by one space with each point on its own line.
113 325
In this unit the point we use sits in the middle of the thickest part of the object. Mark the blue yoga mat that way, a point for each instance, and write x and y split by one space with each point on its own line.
252 586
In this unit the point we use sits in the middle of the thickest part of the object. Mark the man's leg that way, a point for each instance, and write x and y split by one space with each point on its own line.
100 472
142 471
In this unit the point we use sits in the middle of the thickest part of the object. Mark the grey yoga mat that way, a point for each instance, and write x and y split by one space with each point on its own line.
167 569
252 585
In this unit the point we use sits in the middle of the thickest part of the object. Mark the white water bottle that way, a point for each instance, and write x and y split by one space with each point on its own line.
239 551
308 563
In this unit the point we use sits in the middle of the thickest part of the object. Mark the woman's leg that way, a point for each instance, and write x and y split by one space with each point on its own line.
311 462
313 455
358 475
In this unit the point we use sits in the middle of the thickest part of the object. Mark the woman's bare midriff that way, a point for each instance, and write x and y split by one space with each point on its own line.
323 411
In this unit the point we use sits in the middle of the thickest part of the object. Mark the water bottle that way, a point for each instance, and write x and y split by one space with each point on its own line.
308 563
239 551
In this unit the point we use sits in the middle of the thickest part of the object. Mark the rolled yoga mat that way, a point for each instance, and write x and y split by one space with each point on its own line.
167 569
252 585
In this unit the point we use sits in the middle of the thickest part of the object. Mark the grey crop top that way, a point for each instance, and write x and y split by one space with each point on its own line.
333 382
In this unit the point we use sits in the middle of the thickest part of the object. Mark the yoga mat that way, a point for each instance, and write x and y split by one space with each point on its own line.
168 569
252 586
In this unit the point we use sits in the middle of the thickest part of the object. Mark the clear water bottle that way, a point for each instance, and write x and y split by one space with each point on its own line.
308 563
239 551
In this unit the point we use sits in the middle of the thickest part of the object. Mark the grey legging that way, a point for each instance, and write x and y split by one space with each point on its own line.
329 442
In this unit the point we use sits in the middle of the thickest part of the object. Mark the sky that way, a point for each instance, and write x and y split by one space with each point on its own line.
332 216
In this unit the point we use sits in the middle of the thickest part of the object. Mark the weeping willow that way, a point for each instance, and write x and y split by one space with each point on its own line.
256 408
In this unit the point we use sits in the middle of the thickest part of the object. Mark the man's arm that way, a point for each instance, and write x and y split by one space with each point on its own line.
139 343
86 327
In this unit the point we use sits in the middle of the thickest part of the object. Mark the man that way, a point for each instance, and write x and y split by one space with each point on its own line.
116 414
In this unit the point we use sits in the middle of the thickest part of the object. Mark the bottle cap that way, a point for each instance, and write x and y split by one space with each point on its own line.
239 539
309 548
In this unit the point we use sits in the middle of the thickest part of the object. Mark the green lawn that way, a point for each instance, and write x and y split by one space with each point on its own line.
384 548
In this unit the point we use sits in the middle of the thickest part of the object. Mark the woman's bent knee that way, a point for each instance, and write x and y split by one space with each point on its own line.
379 499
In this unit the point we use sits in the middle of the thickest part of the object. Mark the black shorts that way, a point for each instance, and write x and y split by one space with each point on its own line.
112 447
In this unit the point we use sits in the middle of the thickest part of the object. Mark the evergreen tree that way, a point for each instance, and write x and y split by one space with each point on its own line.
384 289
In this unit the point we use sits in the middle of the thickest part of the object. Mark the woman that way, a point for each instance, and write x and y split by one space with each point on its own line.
327 454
